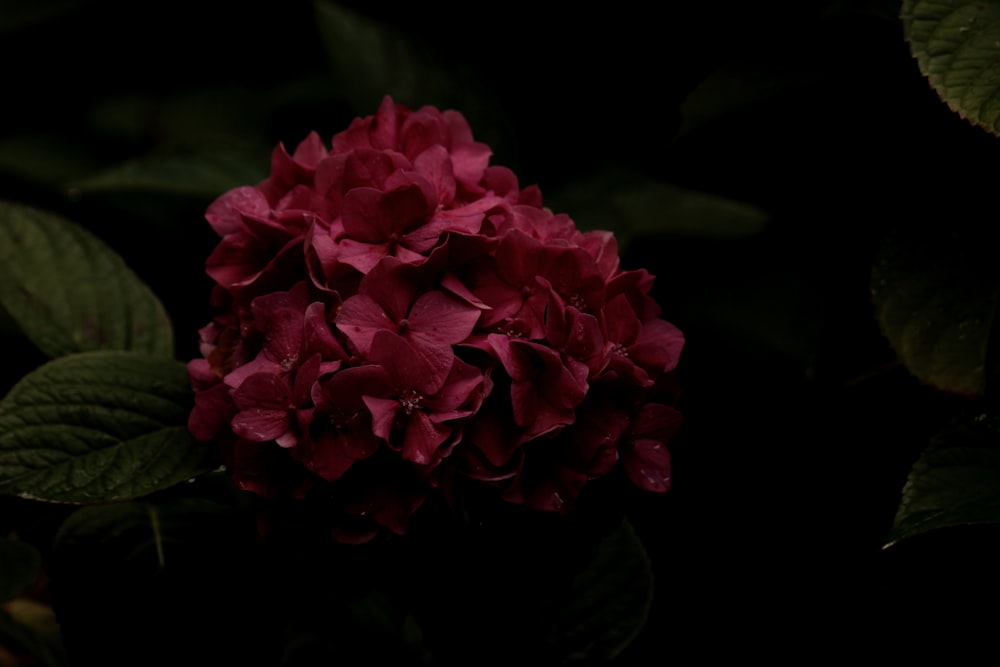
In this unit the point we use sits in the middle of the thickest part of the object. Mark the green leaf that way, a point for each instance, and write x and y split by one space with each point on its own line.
99 427
607 604
935 297
204 174
20 564
69 292
957 46
632 205
955 482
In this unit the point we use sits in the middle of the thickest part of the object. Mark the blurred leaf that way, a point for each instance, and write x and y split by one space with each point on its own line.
45 159
130 531
227 117
99 427
7 323
34 628
20 564
69 292
955 482
374 625
632 205
779 315
957 46
736 86
204 175
16 14
370 60
935 296
607 604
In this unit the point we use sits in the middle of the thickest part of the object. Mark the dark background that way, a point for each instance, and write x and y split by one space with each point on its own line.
800 429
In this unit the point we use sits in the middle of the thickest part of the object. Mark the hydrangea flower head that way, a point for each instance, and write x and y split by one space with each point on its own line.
396 317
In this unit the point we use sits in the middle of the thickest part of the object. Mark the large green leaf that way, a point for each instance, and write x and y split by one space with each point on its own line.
956 482
98 427
935 298
20 564
957 46
607 604
69 292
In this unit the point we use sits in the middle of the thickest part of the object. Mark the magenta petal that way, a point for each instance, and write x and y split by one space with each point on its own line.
310 151
393 285
260 425
384 412
318 337
262 390
213 410
647 464
443 317
658 346
360 318
422 438
224 215
469 161
362 216
259 364
238 258
329 455
463 382
362 256
413 366
435 165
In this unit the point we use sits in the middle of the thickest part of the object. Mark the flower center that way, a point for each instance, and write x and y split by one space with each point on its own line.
411 400
513 329
288 363
404 325
340 418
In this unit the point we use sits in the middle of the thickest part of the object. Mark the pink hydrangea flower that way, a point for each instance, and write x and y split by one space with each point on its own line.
396 317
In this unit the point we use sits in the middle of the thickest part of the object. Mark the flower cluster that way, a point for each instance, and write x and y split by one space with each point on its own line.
396 315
